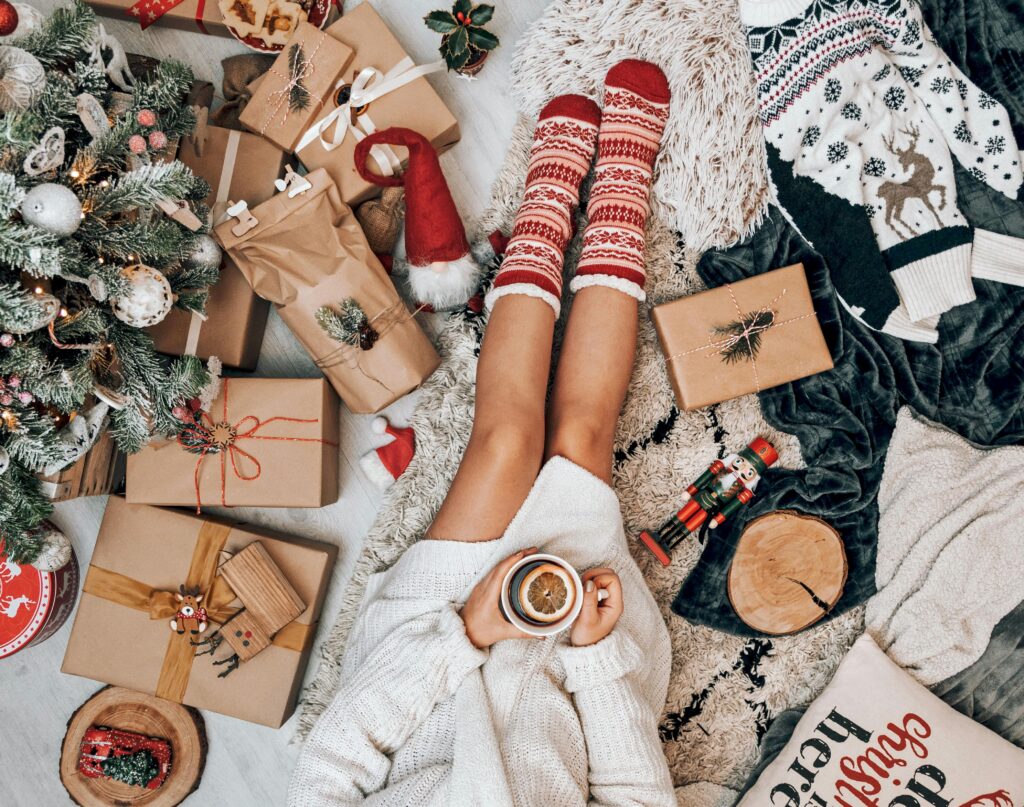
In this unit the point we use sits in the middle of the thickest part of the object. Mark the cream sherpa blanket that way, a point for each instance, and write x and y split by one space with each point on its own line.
950 548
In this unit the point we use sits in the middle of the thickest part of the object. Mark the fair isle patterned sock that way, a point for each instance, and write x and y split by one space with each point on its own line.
563 147
635 111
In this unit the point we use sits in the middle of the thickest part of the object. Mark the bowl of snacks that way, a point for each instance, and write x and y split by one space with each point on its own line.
267 25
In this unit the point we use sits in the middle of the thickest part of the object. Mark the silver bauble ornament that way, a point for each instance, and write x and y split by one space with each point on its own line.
53 208
22 79
56 551
148 298
5 460
206 253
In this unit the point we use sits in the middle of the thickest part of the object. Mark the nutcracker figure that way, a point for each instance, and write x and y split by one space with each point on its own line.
725 487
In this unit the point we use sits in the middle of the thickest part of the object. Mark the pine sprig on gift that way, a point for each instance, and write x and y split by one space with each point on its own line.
744 336
298 94
349 324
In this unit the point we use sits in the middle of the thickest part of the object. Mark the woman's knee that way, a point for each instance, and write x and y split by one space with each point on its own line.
511 444
582 439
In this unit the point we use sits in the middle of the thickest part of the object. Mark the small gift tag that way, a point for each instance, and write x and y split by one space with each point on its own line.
246 220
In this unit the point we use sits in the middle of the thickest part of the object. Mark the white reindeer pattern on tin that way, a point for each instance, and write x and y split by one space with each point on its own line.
9 606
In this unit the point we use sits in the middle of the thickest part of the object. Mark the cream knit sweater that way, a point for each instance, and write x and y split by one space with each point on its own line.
424 718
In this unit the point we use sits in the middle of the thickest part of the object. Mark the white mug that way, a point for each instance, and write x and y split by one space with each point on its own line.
554 627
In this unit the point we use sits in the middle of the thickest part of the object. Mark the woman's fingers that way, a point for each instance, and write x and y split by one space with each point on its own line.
497 574
591 573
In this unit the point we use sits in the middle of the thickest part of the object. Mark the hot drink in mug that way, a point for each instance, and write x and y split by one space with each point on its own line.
542 595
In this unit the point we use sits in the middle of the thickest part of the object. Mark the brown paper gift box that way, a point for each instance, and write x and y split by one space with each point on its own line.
268 112
309 251
237 165
295 464
190 15
791 347
99 471
121 645
415 106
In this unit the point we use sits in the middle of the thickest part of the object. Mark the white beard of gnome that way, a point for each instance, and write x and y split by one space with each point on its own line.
442 271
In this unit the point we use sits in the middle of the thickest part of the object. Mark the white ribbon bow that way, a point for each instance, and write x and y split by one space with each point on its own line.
369 85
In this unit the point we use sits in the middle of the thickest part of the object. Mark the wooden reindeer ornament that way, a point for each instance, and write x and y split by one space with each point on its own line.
268 604
191 615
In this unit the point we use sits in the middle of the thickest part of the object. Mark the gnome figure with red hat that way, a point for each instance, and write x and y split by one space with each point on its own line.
725 487
385 464
442 271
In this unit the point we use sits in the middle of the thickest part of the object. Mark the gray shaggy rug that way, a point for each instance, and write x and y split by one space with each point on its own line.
710 191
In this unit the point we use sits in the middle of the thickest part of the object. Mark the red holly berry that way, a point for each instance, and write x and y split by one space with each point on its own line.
146 117
157 141
8 18
136 144
461 17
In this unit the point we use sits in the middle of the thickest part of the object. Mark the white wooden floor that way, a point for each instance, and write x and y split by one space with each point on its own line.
250 765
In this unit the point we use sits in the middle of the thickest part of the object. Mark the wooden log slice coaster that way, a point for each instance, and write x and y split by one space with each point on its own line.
788 572
125 709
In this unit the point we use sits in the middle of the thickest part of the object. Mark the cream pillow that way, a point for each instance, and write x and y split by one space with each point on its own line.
877 738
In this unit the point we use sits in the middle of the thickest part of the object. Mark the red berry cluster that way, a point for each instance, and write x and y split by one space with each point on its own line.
10 388
157 139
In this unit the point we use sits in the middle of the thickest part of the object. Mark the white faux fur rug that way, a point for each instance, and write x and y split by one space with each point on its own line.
710 190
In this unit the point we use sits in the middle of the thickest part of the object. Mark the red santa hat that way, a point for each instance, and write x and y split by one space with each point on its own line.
442 271
385 464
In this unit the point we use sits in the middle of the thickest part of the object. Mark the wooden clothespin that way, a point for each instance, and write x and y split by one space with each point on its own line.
292 182
246 220
181 213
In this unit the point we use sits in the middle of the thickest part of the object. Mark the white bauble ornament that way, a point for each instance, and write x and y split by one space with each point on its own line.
5 460
56 551
148 298
53 208
29 19
206 254
22 79
48 311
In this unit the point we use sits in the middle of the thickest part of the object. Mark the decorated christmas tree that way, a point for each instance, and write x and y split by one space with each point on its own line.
133 769
101 233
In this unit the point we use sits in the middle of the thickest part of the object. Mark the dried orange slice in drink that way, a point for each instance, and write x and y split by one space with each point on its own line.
547 593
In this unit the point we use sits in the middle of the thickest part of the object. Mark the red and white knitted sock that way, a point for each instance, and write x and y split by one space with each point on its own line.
635 111
563 146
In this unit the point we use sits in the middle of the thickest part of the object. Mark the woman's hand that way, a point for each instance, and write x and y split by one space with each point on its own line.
482 613
597 619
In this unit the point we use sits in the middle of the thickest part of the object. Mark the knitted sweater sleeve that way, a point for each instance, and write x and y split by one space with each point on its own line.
627 763
975 126
347 755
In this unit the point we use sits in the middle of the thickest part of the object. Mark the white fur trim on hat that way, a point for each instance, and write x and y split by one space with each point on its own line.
529 289
375 470
445 288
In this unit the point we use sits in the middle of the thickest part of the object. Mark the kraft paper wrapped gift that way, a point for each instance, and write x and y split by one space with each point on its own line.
298 88
237 165
308 251
382 71
740 338
187 15
122 635
268 442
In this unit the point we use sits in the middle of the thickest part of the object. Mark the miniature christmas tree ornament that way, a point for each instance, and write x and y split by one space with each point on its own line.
726 486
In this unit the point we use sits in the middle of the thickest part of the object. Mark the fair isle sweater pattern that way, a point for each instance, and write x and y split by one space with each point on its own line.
859 98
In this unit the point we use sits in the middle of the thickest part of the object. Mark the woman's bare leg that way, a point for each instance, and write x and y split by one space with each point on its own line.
507 442
594 369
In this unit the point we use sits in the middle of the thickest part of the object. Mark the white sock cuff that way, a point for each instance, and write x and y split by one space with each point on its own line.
527 289
627 287
998 257
935 283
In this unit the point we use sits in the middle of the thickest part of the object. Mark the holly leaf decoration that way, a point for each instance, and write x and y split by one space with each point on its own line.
484 40
458 41
441 21
481 15
744 336
455 61
464 6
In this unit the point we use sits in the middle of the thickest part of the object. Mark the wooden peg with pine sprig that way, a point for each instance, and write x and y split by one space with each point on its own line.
349 324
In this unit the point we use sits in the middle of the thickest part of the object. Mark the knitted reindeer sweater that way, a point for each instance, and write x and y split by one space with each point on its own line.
856 96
